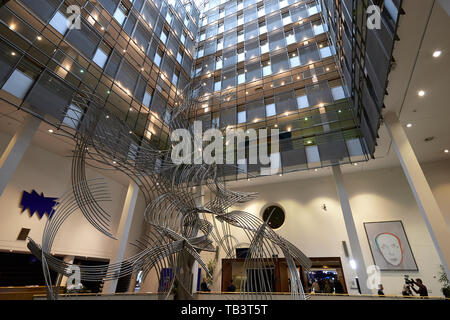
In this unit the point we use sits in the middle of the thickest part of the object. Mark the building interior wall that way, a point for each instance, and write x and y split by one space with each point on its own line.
376 195
49 173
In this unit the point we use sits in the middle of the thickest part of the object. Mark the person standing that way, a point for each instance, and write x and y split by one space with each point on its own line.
380 290
423 291
204 286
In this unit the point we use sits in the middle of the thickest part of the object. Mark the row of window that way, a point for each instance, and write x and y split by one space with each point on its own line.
250 13
277 63
281 104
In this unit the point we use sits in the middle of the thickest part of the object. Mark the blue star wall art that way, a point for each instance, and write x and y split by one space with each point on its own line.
35 202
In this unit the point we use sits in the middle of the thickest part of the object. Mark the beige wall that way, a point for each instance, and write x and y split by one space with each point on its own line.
374 195
49 173
380 195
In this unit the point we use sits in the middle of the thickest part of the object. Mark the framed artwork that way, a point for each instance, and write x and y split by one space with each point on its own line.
390 246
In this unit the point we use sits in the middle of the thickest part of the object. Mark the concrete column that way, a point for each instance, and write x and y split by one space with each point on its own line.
15 150
123 231
355 247
199 202
431 213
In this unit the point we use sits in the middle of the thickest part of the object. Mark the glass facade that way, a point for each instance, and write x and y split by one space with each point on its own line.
135 55
271 64
280 64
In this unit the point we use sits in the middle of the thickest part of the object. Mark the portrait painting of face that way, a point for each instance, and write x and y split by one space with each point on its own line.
390 246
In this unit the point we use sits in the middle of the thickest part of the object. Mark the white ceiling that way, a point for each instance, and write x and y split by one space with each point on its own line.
422 30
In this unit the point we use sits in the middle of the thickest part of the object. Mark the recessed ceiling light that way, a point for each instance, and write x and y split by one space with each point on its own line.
50 130
421 93
281 175
409 125
316 170
437 53
355 164
39 38
446 151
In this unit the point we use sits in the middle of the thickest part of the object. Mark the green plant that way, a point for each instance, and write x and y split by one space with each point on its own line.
445 282
211 267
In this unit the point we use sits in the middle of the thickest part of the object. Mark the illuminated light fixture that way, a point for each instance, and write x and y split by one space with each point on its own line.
289 129
282 83
130 131
409 125
276 126
353 264
298 78
321 46
355 164
306 119
124 50
421 93
107 117
39 38
321 105
316 170
81 71
281 174
50 130
309 141
12 26
114 162
446 151
13 53
103 28
328 69
437 53
286 113
305 43
108 92
246 92
340 111
248 179
142 69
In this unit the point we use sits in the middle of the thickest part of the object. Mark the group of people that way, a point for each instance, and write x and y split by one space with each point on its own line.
326 286
409 287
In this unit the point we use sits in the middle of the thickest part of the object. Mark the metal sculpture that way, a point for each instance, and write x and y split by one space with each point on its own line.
179 225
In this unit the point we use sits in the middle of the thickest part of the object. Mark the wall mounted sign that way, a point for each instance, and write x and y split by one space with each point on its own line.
35 202
390 246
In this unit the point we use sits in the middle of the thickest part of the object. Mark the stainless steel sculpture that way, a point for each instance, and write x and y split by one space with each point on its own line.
180 227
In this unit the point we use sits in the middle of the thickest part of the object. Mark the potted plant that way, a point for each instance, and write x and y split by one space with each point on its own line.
445 282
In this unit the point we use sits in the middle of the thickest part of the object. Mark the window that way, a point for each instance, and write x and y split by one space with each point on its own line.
286 18
267 70
242 117
175 77
158 57
294 59
325 52
302 102
164 34
18 84
217 85
270 110
338 93
147 99
100 57
120 14
59 22
274 216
